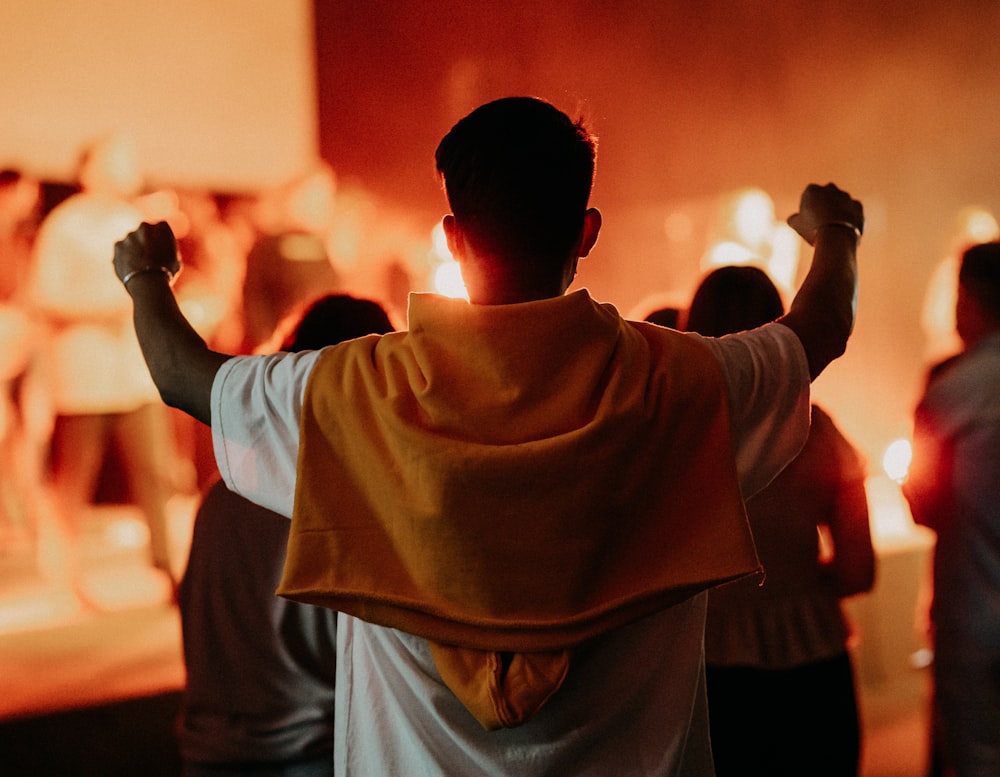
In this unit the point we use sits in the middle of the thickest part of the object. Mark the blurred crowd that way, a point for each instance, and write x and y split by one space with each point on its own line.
80 421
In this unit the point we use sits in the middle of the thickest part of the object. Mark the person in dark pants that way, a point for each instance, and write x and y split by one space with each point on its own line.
779 647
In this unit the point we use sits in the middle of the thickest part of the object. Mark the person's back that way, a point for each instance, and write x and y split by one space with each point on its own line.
504 621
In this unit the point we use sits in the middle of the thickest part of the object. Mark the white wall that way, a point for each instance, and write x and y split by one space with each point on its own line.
216 93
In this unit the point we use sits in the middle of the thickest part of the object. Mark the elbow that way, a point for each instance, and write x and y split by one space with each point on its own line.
820 358
824 339
187 385
172 386
839 330
170 396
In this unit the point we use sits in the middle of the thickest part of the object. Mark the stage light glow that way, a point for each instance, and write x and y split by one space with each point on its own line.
448 281
128 532
979 225
784 262
751 235
753 217
730 252
889 512
896 459
439 243
446 274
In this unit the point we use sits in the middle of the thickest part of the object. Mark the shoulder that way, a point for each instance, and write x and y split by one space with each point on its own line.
253 380
771 350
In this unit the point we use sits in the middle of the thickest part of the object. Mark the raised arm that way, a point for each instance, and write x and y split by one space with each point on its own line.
181 364
822 312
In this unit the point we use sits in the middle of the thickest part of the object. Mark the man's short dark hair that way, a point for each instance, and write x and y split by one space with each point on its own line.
980 275
518 174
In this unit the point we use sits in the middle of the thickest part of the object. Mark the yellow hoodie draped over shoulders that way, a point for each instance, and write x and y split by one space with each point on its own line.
514 479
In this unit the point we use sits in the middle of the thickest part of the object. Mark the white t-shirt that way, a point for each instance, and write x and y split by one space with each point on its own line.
633 703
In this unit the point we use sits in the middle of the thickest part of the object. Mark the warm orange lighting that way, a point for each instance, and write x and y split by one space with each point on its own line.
753 217
448 281
896 459
446 275
128 532
889 513
164 205
752 235
979 225
678 227
730 252
439 244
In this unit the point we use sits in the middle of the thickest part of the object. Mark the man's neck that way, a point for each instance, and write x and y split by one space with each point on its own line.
508 288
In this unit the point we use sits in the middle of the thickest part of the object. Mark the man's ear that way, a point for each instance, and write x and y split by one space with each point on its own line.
453 234
592 221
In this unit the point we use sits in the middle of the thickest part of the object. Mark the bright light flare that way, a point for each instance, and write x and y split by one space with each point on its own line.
446 277
891 522
753 217
128 532
753 236
448 281
439 244
979 225
678 227
728 252
896 459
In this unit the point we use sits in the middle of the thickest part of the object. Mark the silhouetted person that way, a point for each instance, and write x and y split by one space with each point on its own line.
259 696
517 506
779 647
667 316
953 487
20 196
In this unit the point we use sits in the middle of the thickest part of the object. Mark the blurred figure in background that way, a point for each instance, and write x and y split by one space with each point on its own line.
259 696
778 650
953 488
20 196
662 309
99 386
215 261
290 263
668 316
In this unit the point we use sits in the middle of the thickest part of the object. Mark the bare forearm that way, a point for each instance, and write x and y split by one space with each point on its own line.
853 552
822 312
179 361
181 364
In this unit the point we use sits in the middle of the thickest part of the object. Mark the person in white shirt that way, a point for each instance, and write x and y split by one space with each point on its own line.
517 505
